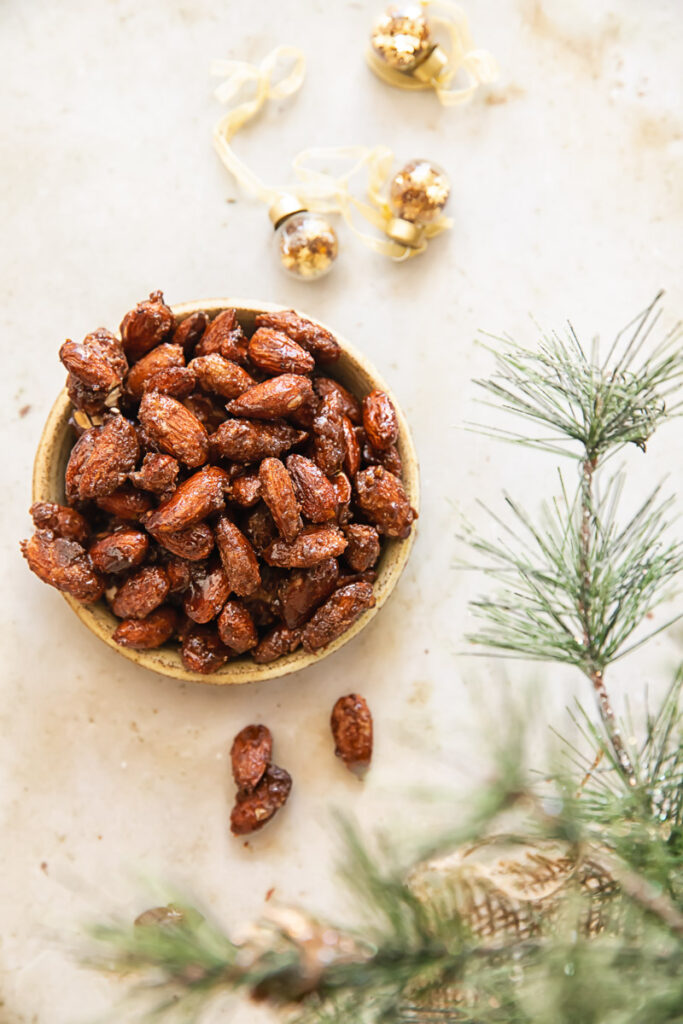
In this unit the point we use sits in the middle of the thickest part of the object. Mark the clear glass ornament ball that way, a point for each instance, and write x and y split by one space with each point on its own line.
419 191
307 245
400 37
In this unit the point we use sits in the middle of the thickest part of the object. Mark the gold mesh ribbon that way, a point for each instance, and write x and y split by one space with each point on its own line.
317 189
477 66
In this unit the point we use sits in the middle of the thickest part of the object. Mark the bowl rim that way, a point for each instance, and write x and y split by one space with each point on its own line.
242 670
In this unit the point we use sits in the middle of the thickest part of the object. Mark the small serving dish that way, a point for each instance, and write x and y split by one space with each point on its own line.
352 370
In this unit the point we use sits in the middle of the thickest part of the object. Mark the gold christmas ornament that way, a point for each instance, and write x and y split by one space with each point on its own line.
404 52
407 211
417 196
400 37
307 245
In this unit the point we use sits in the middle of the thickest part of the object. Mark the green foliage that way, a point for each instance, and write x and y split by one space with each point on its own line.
573 588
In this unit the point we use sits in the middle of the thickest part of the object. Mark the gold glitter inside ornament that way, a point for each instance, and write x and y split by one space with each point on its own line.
400 37
307 245
419 192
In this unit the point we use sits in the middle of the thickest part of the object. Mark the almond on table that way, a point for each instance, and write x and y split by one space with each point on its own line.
351 724
225 494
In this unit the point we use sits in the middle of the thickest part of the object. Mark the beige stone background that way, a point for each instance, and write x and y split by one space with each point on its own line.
567 202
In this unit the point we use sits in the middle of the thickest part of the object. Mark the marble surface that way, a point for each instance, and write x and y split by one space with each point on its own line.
567 202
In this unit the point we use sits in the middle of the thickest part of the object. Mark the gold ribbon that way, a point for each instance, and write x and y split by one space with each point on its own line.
317 190
478 66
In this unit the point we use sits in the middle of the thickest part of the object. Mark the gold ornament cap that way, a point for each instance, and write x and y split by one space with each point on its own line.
419 192
429 69
405 232
284 206
400 37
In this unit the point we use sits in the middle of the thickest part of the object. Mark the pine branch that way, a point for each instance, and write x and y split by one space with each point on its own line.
576 587
415 958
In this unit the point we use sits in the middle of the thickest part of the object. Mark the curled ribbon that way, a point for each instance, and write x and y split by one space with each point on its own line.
478 66
317 190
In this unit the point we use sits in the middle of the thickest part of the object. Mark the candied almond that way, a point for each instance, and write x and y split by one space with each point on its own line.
254 809
146 326
315 339
244 440
236 627
174 428
314 544
317 497
62 520
64 564
274 398
335 616
194 499
238 558
351 724
276 353
277 491
145 634
250 756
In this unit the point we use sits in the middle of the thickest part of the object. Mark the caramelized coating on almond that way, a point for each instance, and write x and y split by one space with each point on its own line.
64 564
202 650
245 490
177 381
63 521
120 551
351 724
313 545
238 558
146 326
179 572
194 500
275 398
98 362
274 352
305 589
158 473
188 332
236 627
276 643
225 336
364 547
220 376
379 420
250 756
207 593
126 503
351 448
315 339
350 406
174 429
141 593
208 410
338 613
277 491
260 527
390 458
328 434
148 633
160 358
317 497
254 809
382 498
111 454
246 440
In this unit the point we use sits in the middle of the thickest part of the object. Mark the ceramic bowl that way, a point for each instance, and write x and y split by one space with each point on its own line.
359 376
